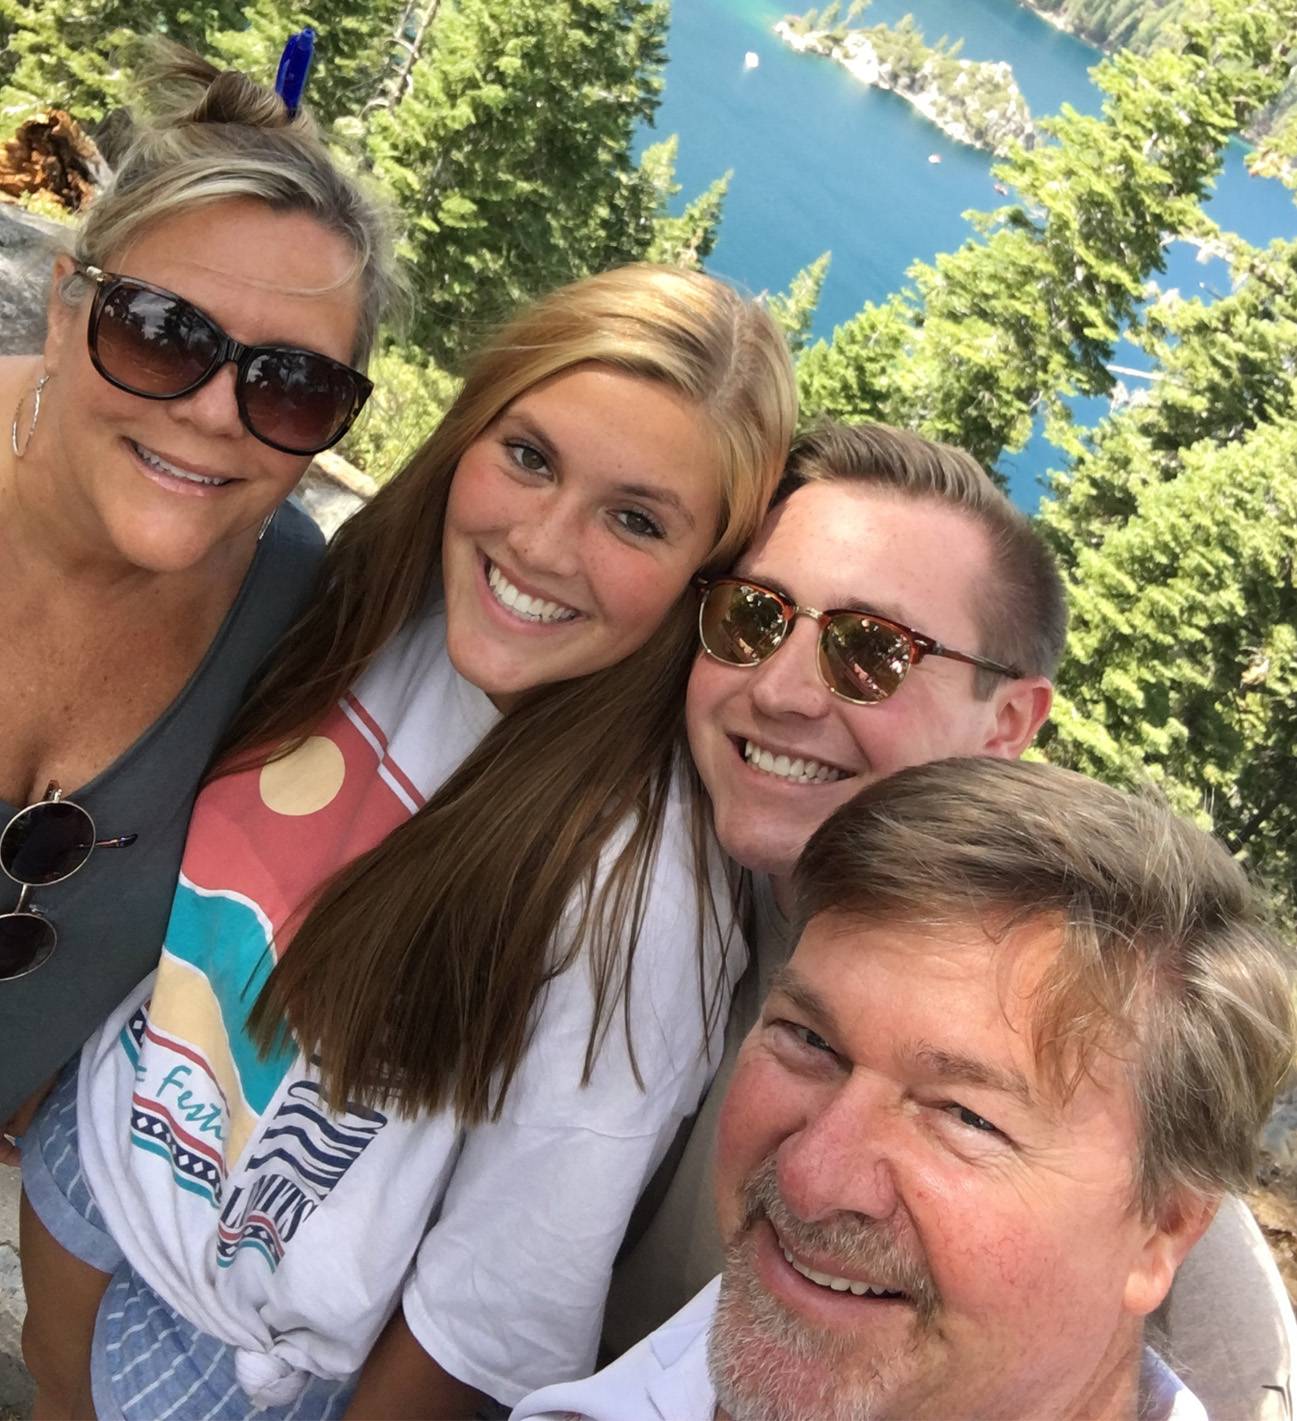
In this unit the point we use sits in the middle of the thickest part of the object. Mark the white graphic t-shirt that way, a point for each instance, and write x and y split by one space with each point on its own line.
290 1230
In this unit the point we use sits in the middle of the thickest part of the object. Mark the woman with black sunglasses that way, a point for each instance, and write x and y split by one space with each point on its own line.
202 344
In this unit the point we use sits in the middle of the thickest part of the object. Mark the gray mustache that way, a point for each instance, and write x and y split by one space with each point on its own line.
858 1245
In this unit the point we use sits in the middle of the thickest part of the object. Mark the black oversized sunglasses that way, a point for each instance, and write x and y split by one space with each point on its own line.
155 344
861 657
41 845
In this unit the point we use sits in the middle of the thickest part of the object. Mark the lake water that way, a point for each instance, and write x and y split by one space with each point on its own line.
822 162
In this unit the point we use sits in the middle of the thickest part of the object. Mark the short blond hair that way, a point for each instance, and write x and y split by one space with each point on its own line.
1166 953
1021 609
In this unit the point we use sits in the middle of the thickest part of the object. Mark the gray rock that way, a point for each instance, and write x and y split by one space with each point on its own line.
27 248
333 490
1279 1138
16 1388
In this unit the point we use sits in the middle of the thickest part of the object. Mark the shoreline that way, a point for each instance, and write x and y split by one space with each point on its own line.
861 60
1059 22
1281 170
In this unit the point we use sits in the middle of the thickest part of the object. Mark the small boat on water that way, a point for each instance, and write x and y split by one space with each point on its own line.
934 157
751 59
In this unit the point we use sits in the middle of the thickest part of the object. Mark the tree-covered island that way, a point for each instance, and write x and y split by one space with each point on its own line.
971 101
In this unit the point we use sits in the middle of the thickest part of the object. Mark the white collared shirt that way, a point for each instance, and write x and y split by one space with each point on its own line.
664 1378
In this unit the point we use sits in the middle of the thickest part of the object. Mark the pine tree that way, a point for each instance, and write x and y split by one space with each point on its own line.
353 40
1177 531
794 310
511 154
68 53
1182 661
1028 312
686 240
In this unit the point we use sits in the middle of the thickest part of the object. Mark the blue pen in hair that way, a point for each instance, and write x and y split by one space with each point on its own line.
294 66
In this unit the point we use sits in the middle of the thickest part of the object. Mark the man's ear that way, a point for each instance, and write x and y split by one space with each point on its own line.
1180 1223
60 317
1019 710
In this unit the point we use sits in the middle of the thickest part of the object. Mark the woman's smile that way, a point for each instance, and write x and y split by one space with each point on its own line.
575 522
521 603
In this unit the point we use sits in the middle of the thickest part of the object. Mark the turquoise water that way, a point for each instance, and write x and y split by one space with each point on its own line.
822 162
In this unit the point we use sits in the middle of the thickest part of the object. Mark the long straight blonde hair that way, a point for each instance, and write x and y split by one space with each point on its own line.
414 974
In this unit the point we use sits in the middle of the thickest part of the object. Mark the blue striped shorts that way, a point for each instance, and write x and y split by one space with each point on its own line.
147 1362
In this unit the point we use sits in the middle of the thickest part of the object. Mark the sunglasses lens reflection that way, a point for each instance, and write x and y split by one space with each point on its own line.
156 344
26 940
46 843
298 401
740 625
863 660
152 343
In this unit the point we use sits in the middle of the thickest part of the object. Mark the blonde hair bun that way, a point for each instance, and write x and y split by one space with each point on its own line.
202 135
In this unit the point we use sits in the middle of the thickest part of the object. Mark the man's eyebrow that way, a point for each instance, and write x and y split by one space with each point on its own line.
968 1070
801 994
838 604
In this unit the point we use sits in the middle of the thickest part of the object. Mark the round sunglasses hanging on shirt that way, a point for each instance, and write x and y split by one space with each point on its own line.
40 846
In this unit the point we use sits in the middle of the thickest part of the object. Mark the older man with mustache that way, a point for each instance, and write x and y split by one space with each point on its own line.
1024 1045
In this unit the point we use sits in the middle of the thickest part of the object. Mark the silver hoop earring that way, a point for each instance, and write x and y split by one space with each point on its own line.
265 523
36 414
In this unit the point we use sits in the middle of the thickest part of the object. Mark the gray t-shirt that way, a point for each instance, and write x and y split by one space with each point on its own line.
673 1245
111 916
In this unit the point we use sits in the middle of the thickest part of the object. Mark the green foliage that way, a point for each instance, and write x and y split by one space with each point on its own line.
1142 25
794 310
410 396
1027 312
1182 663
66 53
1276 154
70 53
1177 531
351 50
686 240
510 154
828 21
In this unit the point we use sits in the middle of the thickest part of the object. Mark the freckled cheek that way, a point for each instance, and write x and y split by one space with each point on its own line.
633 594
479 503
759 1113
981 1244
888 735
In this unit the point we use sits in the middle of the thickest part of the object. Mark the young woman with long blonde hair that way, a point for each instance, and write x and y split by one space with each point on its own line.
451 947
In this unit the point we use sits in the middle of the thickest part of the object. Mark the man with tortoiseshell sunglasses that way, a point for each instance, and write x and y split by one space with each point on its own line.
895 609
